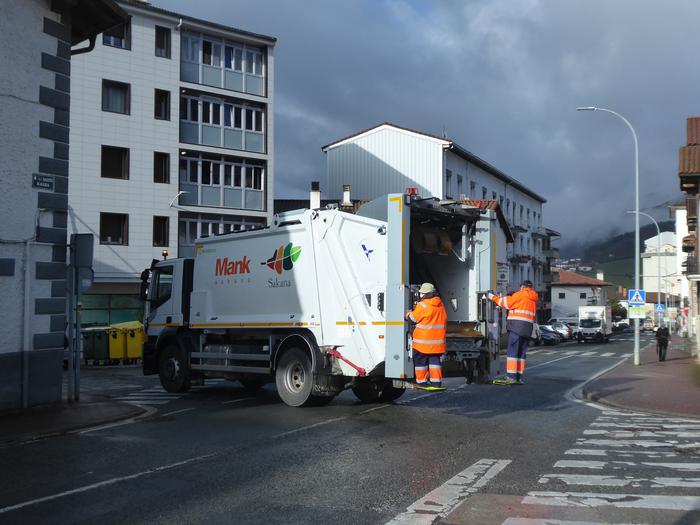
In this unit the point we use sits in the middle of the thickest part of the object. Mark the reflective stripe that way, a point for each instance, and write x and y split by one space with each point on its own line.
421 367
429 341
505 302
528 317
430 326
435 366
410 316
423 304
528 312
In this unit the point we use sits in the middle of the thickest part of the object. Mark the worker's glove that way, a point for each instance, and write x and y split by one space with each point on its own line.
490 294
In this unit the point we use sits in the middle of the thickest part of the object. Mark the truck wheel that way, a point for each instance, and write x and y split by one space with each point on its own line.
390 392
367 391
294 377
173 370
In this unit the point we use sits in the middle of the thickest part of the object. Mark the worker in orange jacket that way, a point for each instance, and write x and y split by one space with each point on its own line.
429 336
522 308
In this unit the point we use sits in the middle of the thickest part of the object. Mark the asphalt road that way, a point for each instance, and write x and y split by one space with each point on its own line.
481 454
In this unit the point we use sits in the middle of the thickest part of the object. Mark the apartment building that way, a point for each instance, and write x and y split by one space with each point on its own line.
388 158
172 139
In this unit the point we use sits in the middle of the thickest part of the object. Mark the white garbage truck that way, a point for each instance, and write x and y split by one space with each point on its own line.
594 323
316 301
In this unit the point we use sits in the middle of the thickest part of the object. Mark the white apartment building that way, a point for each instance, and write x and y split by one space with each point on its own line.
171 140
572 290
664 260
388 158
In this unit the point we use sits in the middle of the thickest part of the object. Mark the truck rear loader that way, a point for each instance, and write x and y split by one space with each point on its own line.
316 301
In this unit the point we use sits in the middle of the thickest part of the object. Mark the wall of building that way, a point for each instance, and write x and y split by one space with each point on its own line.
385 161
667 259
680 217
34 138
573 298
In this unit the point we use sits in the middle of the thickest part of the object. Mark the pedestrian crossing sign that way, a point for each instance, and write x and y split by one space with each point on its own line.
636 297
659 308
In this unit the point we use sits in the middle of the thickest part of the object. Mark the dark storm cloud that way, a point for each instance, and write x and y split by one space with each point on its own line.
502 77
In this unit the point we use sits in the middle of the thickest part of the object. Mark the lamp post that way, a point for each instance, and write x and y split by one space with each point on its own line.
658 260
636 217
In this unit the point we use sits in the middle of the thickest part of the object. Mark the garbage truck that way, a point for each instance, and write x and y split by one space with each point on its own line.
316 301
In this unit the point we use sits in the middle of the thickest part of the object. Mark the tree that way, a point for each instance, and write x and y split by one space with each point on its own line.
618 311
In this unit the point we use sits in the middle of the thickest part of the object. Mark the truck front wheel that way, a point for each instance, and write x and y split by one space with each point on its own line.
294 377
173 370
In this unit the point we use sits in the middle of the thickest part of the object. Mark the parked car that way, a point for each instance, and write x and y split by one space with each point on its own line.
648 325
563 329
549 335
574 328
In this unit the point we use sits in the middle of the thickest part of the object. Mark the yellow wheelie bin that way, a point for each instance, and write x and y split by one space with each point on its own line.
133 338
117 343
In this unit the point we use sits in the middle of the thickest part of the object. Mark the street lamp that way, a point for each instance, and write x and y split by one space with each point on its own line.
636 217
658 260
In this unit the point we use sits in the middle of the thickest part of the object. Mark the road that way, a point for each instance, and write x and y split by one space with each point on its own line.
476 454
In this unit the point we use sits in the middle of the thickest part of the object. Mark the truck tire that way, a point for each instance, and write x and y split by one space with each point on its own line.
368 391
294 378
173 370
390 392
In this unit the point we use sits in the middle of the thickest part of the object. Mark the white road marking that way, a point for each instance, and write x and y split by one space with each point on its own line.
380 407
548 362
595 480
645 426
620 453
230 402
587 354
536 521
592 499
112 481
177 412
607 354
624 465
307 427
572 352
576 463
447 496
633 443
144 401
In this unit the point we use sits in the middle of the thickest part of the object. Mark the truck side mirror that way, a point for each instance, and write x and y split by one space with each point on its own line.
143 292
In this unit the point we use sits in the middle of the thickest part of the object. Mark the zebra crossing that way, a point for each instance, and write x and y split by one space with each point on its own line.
627 468
157 396
581 353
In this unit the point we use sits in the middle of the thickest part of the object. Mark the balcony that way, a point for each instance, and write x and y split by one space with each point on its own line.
689 244
520 258
689 169
539 232
551 253
691 268
691 206
221 137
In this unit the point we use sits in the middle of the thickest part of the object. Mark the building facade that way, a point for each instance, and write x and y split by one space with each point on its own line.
38 39
571 290
172 140
388 158
663 259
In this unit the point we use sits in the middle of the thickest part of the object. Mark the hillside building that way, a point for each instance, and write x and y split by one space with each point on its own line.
571 290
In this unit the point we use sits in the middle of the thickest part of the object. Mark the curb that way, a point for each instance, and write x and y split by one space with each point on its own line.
602 401
135 411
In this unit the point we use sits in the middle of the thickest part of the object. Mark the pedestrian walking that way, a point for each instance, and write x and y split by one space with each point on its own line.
429 336
662 337
522 307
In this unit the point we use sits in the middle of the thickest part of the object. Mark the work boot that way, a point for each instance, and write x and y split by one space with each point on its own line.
519 381
504 381
436 384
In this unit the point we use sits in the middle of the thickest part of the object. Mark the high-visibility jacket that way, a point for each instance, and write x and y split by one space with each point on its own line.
522 310
430 332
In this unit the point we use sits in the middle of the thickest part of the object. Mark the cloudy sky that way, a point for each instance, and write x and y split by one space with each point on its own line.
501 77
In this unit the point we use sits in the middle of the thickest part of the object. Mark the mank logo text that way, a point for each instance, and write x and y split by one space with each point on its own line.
238 267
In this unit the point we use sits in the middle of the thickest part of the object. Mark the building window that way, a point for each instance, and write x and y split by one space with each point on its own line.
472 189
115 163
448 184
162 42
118 36
233 58
562 295
582 295
211 113
460 187
484 191
115 97
253 62
161 167
189 109
233 116
493 195
161 231
253 178
254 120
211 53
114 228
161 105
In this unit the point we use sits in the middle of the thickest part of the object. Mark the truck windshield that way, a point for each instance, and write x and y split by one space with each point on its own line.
590 323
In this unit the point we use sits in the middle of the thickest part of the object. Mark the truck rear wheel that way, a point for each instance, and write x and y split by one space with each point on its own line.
173 370
294 377
390 392
367 391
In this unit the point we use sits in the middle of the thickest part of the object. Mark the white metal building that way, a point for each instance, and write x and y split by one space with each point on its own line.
167 105
388 158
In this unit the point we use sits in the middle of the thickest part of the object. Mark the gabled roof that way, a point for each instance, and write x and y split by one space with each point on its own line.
493 205
567 278
447 144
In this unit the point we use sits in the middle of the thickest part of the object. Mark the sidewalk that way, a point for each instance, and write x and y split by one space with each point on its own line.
669 387
54 420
